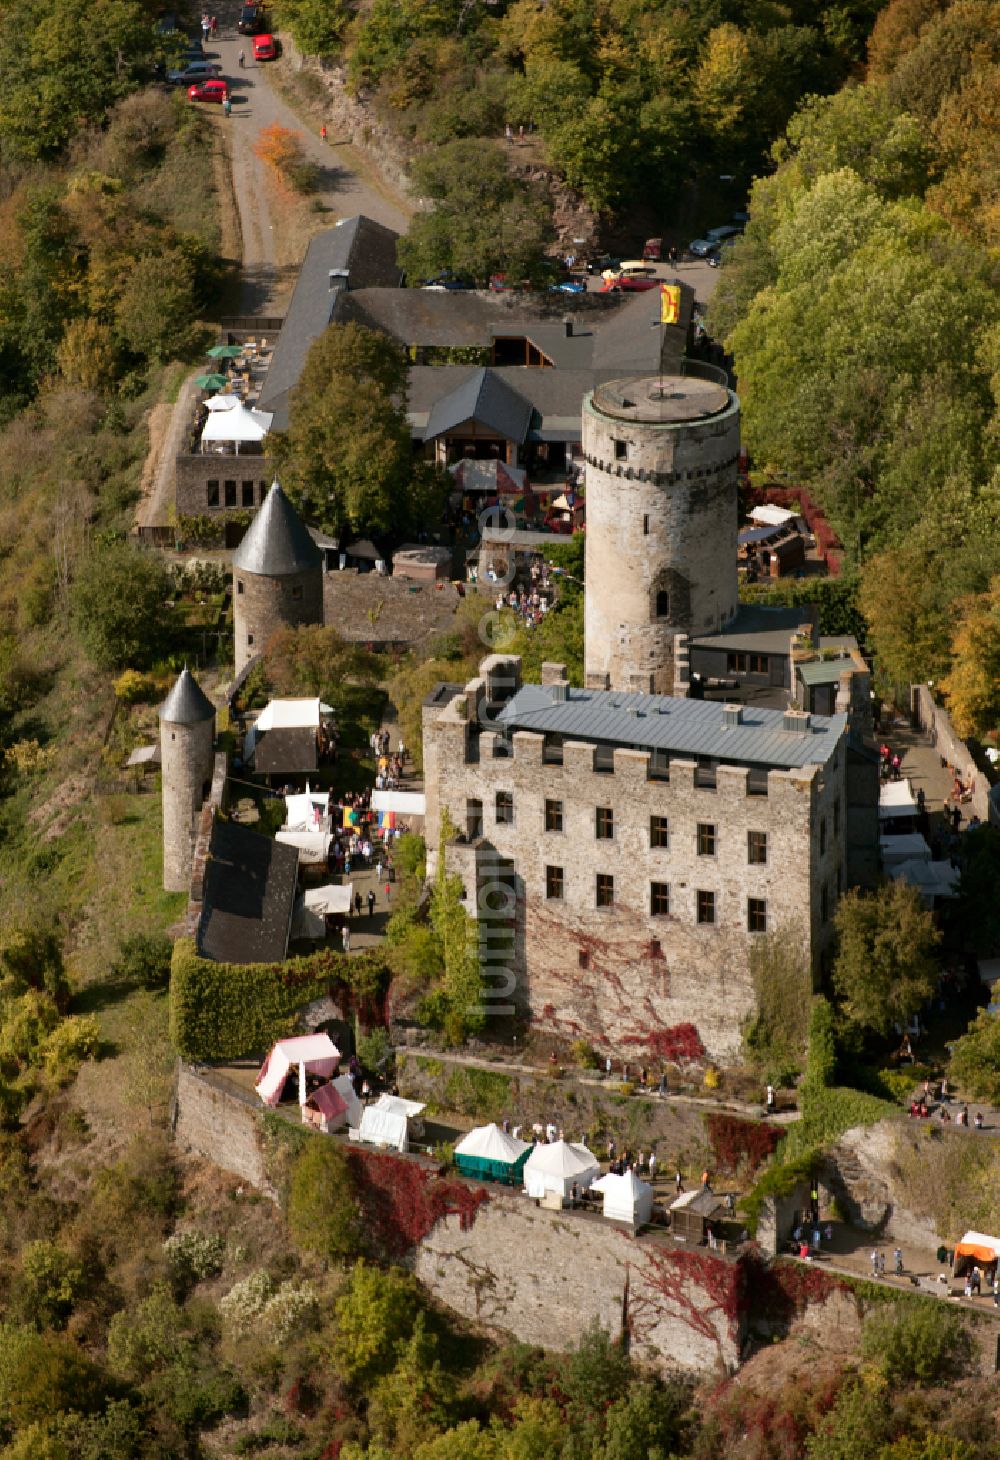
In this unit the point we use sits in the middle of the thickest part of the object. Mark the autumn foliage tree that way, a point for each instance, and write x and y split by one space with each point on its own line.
885 969
972 686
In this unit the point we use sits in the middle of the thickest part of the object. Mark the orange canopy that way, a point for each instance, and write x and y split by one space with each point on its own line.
985 1255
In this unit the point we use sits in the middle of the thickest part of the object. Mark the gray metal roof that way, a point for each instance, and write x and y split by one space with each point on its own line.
362 247
758 629
187 703
825 671
487 399
683 727
277 542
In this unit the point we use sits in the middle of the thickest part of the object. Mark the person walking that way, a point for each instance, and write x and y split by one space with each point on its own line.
357 904
652 1165
346 936
214 27
874 1261
898 1259
770 1099
371 902
322 132
242 60
388 896
227 106
679 1184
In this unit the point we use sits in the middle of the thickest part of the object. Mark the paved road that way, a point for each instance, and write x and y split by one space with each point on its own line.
255 106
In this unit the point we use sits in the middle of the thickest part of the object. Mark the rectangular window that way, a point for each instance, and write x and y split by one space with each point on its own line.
296 592
239 586
621 450
605 890
246 493
230 491
645 525
473 820
706 907
659 831
757 663
583 958
212 493
824 905
553 816
605 824
659 899
836 818
757 848
736 664
706 839
505 808
554 884
822 835
756 915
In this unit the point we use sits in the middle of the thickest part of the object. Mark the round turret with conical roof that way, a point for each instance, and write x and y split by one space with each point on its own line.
187 739
277 577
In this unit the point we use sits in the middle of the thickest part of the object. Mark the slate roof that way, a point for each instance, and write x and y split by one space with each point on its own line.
367 250
683 727
487 398
250 884
277 542
285 751
187 703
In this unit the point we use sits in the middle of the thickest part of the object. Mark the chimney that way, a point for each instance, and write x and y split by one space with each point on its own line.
559 692
732 715
796 722
568 326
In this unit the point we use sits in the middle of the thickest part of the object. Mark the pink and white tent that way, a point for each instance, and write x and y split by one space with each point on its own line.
315 1054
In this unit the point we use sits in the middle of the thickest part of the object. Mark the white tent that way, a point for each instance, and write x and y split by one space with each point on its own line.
333 1106
405 803
298 714
313 846
307 812
315 905
557 1166
222 402
355 1110
896 799
387 1122
909 847
315 1053
238 424
931 879
626 1198
490 1143
770 516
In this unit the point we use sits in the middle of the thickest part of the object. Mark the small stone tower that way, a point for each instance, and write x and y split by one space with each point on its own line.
661 457
187 737
277 577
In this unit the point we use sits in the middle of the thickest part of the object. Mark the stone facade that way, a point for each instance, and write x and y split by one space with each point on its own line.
263 604
214 1120
661 524
618 974
187 765
213 485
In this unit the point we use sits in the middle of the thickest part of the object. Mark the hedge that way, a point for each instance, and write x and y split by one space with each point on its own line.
223 1011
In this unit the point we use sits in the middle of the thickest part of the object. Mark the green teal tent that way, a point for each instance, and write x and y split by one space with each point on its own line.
490 1154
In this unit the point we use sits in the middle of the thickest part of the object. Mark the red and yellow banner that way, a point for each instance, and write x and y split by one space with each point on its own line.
670 303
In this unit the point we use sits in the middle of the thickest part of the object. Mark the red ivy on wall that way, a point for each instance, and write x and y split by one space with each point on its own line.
680 1044
734 1141
401 1200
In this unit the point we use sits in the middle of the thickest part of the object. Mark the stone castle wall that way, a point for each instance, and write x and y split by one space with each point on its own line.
187 766
615 975
214 1120
262 605
216 484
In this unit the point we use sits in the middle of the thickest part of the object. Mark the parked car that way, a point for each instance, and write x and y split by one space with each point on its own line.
211 90
264 48
568 286
653 250
605 262
628 284
194 71
447 280
728 230
702 248
252 20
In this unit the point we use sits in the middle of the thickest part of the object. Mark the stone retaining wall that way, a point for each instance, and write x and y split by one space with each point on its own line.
936 723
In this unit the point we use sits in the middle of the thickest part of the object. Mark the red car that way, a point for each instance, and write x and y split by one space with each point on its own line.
213 90
264 48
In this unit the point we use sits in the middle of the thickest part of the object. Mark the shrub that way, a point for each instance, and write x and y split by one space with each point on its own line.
144 958
975 1058
322 1216
195 1256
72 1041
376 1316
582 1054
375 1050
711 1080
52 1281
736 1142
256 1304
117 602
922 1342
132 688
478 1093
226 1010
680 1044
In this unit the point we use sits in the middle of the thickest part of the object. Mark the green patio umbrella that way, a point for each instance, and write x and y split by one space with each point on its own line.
215 381
224 352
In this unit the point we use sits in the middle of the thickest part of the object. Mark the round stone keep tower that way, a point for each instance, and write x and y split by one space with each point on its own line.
187 737
661 522
277 577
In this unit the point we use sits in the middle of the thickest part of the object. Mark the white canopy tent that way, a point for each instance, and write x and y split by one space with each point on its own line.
298 714
767 515
313 846
315 905
490 1143
237 425
909 847
307 812
313 1053
626 1198
404 803
896 799
388 1122
931 879
222 402
557 1167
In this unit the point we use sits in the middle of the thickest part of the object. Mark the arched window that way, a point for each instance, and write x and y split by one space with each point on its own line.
663 604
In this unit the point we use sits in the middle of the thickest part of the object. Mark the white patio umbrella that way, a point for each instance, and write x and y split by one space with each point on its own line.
237 425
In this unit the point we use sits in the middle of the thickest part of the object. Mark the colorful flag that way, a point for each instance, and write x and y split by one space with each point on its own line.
670 303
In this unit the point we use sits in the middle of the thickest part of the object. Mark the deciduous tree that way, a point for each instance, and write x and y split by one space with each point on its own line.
117 605
885 969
